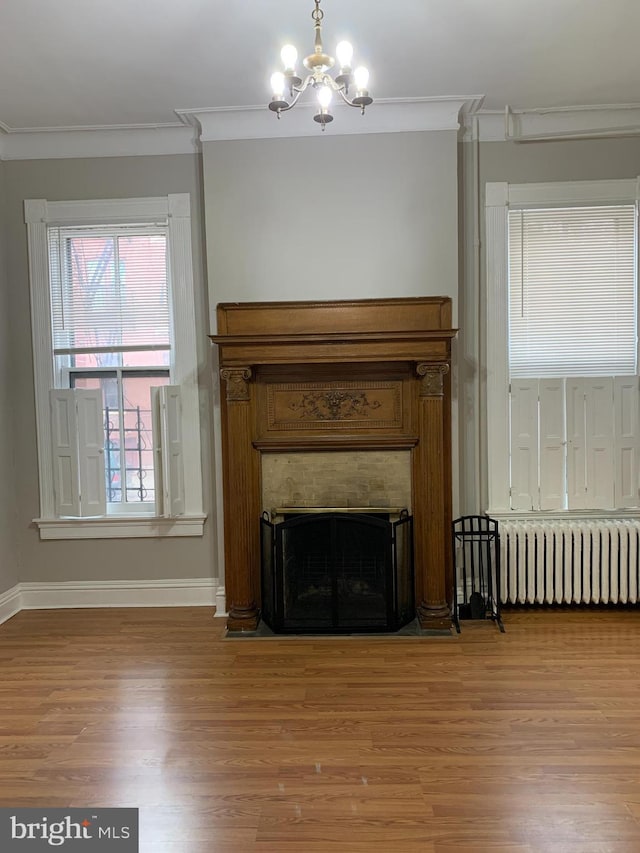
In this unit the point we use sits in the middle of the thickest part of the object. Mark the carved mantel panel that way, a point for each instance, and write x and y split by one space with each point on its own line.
336 376
334 405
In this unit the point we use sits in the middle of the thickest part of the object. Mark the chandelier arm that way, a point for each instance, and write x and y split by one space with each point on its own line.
360 101
359 106
327 80
298 90
344 97
302 87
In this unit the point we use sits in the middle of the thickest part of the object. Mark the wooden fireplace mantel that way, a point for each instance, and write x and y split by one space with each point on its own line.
272 353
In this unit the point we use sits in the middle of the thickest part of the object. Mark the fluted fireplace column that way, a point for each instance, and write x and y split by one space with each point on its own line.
240 476
431 502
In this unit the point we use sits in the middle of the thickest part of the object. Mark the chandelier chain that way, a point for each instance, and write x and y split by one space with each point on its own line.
317 13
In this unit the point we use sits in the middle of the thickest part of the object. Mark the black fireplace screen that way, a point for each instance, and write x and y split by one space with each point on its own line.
337 572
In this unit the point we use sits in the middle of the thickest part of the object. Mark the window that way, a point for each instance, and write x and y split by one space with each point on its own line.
562 347
112 333
115 367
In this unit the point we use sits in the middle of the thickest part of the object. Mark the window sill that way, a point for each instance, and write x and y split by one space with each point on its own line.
120 527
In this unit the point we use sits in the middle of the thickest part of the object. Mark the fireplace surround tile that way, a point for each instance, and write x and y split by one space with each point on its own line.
340 478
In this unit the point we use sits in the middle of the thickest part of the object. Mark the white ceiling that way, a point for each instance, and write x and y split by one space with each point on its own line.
133 62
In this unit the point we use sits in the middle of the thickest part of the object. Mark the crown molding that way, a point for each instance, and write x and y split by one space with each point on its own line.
392 115
599 121
207 124
44 143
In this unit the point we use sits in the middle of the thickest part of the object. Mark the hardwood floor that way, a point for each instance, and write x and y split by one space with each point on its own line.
520 742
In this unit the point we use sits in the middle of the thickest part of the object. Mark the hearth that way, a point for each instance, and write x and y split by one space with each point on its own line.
337 572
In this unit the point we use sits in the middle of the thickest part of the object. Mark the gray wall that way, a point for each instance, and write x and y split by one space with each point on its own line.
8 551
342 217
575 160
316 218
331 217
96 559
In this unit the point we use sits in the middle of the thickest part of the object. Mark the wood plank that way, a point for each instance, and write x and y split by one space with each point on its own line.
524 742
344 316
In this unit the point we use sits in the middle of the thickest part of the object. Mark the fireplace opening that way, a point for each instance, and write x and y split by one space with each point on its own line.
338 572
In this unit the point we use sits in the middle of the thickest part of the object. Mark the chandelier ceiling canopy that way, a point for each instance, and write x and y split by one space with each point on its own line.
287 86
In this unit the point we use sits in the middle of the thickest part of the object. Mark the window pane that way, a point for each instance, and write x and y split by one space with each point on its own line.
87 360
144 291
138 436
108 291
88 293
161 358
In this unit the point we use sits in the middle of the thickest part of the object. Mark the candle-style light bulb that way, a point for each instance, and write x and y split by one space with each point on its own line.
361 78
289 56
344 53
324 96
277 84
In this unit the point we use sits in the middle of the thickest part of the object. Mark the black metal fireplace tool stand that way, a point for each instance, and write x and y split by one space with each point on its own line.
476 555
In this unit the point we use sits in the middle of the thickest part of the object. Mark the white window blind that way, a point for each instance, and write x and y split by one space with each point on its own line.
109 289
572 291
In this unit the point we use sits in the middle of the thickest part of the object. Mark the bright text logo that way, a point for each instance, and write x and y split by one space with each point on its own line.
83 831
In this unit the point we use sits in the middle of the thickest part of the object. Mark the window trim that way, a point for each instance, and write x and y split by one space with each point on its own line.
500 197
175 211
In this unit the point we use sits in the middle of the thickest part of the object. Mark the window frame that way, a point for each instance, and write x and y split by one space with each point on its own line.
500 197
174 210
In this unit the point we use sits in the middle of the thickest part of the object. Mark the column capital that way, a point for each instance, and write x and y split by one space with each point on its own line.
237 379
432 384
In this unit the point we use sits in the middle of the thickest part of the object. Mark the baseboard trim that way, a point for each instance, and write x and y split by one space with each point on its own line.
188 592
10 603
174 592
221 602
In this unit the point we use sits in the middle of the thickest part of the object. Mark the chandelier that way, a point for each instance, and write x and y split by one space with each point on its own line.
318 64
